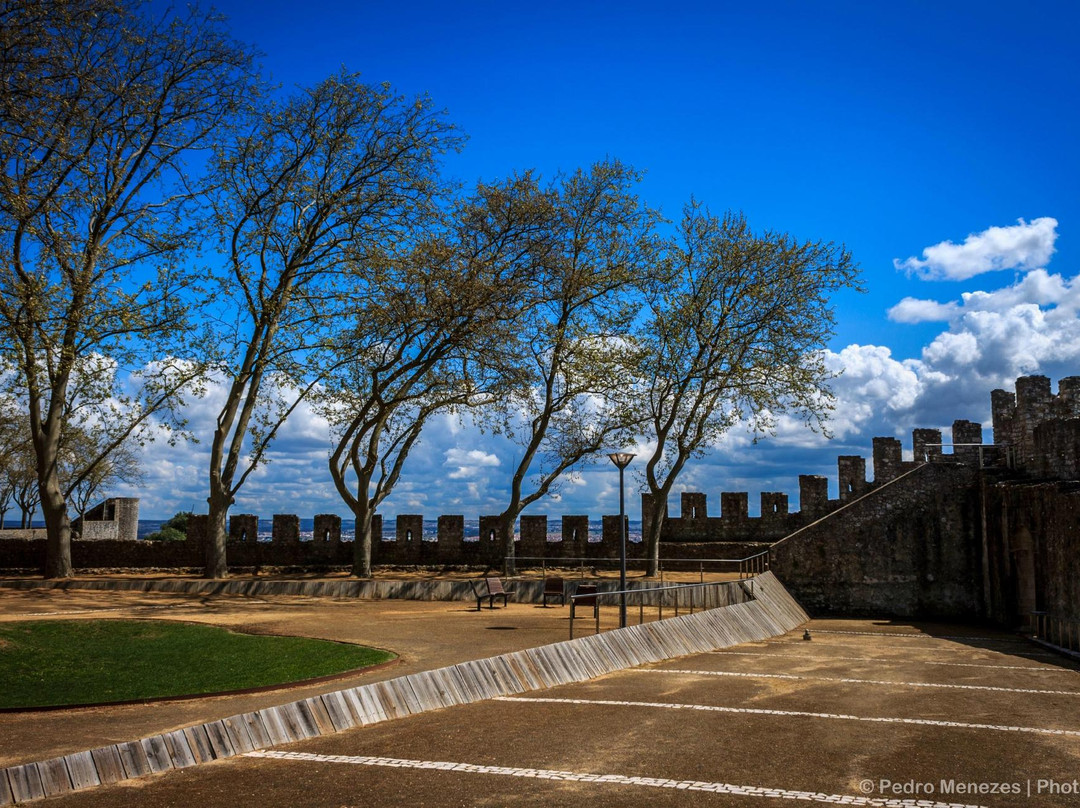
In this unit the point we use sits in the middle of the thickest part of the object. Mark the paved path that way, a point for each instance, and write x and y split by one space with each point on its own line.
867 713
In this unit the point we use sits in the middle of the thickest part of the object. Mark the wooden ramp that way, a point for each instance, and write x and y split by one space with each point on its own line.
767 610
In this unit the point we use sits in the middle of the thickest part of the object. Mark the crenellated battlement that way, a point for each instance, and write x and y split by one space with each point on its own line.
964 537
734 524
406 542
1042 430
981 532
1036 438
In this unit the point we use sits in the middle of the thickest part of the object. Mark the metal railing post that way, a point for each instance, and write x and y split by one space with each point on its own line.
710 594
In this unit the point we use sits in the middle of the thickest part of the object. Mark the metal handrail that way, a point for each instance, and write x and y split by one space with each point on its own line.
640 593
755 564
1062 632
1010 453
748 566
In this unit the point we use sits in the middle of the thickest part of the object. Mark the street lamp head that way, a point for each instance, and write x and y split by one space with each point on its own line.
621 459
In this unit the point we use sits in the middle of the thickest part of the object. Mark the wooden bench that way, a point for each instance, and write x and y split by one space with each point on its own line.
554 588
489 588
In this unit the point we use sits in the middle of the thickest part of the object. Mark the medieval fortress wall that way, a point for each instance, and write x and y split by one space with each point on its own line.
988 533
962 530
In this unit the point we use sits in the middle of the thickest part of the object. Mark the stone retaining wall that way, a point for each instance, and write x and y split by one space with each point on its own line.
522 590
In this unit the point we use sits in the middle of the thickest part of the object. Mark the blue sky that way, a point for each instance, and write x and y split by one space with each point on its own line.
888 127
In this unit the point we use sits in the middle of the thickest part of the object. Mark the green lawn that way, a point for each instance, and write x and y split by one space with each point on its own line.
55 662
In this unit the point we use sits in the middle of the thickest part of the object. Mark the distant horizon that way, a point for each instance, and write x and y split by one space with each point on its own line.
348 525
553 507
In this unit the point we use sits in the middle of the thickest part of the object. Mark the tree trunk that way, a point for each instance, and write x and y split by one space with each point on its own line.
57 528
505 526
362 541
652 529
217 565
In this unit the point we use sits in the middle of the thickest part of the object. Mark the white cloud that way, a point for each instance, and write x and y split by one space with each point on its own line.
467 463
1004 344
1032 325
1037 287
871 381
913 310
990 338
1023 246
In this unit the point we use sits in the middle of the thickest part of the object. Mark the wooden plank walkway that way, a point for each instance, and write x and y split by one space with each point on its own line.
766 610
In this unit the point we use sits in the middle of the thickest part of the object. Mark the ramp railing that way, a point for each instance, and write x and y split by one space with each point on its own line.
678 598
1061 632
744 567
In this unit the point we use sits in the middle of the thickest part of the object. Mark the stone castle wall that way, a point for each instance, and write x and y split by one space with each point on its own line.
1033 526
407 546
734 524
1019 416
909 549
1033 549
988 532
694 535
978 532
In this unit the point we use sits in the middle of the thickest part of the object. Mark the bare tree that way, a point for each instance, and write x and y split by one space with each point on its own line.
735 334
429 336
27 496
7 490
572 397
100 107
319 179
14 448
18 464
120 465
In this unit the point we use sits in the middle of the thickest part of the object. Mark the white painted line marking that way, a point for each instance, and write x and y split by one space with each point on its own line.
794 642
612 779
806 657
913 636
708 708
849 681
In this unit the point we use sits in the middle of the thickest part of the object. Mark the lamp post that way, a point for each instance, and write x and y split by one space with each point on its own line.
622 460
